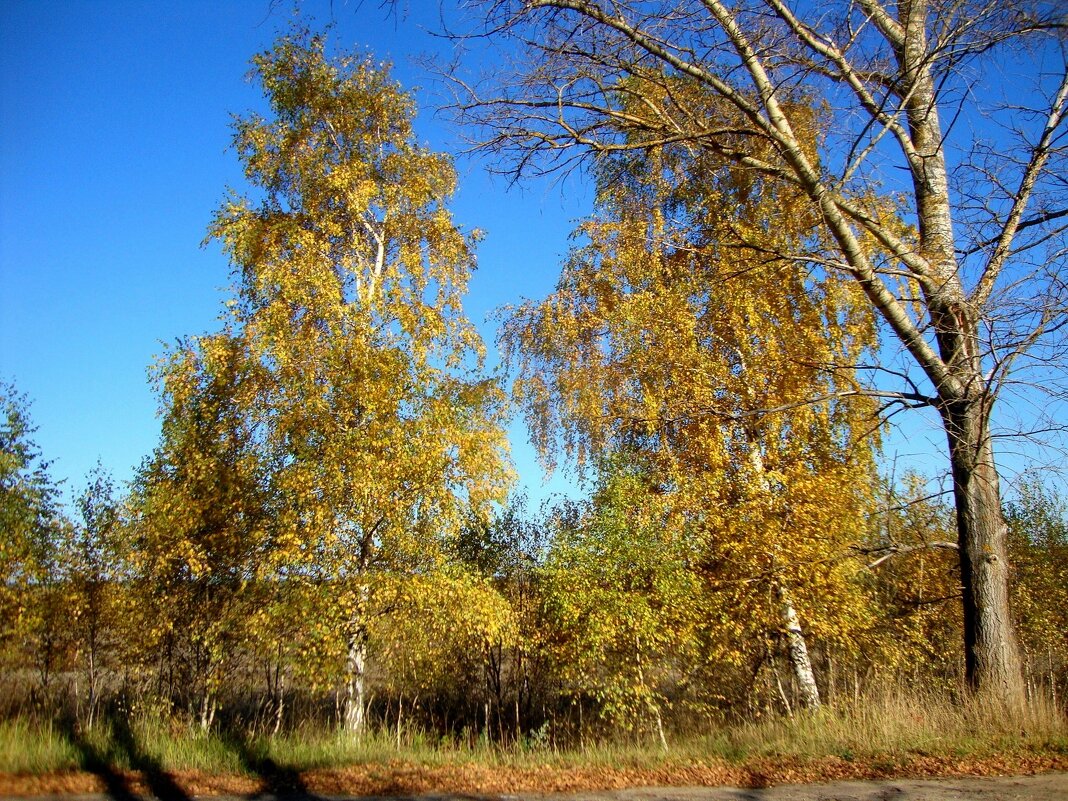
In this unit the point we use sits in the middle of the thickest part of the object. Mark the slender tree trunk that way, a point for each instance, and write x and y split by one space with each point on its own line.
279 712
654 707
798 650
782 691
91 713
795 638
354 714
207 710
993 665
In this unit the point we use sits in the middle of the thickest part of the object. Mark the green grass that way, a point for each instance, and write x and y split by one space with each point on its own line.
31 748
880 729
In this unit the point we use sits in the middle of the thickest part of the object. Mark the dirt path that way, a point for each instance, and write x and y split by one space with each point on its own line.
1046 787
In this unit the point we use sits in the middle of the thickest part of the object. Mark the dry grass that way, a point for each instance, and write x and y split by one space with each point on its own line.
892 733
899 722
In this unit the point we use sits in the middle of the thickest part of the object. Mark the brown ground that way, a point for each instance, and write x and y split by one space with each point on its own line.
401 779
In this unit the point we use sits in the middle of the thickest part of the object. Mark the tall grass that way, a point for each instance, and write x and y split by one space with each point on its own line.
32 748
904 721
881 725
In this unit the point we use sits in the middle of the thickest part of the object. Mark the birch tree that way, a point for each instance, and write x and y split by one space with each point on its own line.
1038 542
651 343
94 573
350 276
623 603
201 518
971 296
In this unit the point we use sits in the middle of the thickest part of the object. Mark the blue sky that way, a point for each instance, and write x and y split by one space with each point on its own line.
113 155
114 134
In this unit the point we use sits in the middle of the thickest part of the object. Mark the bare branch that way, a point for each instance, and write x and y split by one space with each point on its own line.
890 550
1039 156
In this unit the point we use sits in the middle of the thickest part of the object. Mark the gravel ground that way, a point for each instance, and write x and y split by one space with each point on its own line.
1046 787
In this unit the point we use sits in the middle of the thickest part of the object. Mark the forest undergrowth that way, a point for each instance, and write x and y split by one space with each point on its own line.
885 733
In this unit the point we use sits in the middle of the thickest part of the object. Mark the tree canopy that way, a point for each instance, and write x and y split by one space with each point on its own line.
971 290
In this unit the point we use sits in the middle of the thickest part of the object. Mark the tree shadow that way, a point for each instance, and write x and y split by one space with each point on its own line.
160 783
98 762
279 781
124 743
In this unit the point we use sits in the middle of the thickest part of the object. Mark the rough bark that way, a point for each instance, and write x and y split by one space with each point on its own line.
992 657
993 663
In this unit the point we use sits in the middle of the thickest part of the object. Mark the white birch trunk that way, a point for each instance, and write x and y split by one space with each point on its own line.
355 693
654 707
795 638
798 650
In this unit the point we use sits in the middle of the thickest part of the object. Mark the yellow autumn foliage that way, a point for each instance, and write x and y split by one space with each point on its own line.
693 324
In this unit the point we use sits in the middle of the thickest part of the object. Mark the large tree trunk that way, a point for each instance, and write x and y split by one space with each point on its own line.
992 656
991 652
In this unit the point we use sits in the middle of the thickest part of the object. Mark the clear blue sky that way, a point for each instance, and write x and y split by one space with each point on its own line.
114 135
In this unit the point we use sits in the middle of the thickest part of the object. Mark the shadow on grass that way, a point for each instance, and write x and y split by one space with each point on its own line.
124 746
279 781
98 762
159 782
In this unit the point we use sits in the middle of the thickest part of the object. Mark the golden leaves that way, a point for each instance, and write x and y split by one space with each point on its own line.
352 276
693 332
336 431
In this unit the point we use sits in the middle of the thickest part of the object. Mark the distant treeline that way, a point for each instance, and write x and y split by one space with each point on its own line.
582 620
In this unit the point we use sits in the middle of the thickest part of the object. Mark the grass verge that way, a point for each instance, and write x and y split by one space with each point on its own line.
892 735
